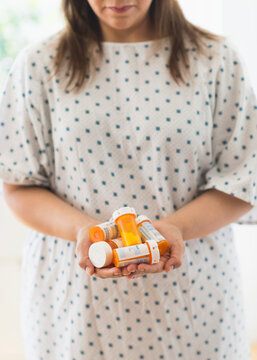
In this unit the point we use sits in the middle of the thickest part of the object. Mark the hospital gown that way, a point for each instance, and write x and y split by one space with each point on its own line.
132 137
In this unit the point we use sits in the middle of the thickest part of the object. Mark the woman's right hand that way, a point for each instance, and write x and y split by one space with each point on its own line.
82 248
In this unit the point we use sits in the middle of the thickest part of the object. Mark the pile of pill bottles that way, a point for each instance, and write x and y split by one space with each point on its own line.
126 238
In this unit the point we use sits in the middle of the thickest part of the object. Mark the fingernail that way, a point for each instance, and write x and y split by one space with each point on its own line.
88 270
170 268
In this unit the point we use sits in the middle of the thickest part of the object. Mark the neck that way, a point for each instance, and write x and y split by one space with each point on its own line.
141 32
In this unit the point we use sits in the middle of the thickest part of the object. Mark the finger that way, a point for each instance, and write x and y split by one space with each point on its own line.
126 270
81 251
132 268
90 269
85 263
106 273
153 268
175 260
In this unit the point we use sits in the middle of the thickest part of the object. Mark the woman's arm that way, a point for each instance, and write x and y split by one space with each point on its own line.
40 209
207 213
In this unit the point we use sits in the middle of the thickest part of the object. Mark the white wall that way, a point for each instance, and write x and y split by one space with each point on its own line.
241 26
246 238
205 13
12 235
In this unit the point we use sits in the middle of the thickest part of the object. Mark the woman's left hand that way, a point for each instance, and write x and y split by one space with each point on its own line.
172 259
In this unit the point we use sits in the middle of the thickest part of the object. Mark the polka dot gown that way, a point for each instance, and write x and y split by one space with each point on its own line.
132 136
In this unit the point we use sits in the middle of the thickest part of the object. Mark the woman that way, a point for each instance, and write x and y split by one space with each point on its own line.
132 105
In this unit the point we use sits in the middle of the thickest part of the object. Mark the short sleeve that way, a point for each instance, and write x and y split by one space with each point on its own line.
234 134
23 147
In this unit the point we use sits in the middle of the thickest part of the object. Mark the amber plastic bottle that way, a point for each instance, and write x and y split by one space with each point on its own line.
125 220
148 232
103 232
137 254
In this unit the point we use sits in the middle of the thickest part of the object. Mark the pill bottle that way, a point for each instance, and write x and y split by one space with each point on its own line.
148 232
125 220
105 231
141 253
101 252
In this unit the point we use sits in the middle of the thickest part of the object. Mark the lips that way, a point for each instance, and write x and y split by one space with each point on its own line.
122 9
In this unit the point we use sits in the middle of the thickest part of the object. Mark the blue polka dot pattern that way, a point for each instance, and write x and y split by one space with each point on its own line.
132 136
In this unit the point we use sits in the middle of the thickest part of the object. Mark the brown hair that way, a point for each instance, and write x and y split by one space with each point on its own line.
82 28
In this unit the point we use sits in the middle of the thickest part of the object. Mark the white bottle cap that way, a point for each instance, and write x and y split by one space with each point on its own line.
100 254
122 211
142 218
154 251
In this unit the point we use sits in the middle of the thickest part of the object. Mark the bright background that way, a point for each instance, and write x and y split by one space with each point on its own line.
26 21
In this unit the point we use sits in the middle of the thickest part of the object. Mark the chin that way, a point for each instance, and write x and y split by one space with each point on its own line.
120 25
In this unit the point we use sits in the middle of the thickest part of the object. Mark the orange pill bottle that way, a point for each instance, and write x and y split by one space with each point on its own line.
124 218
103 232
136 254
148 232
101 252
